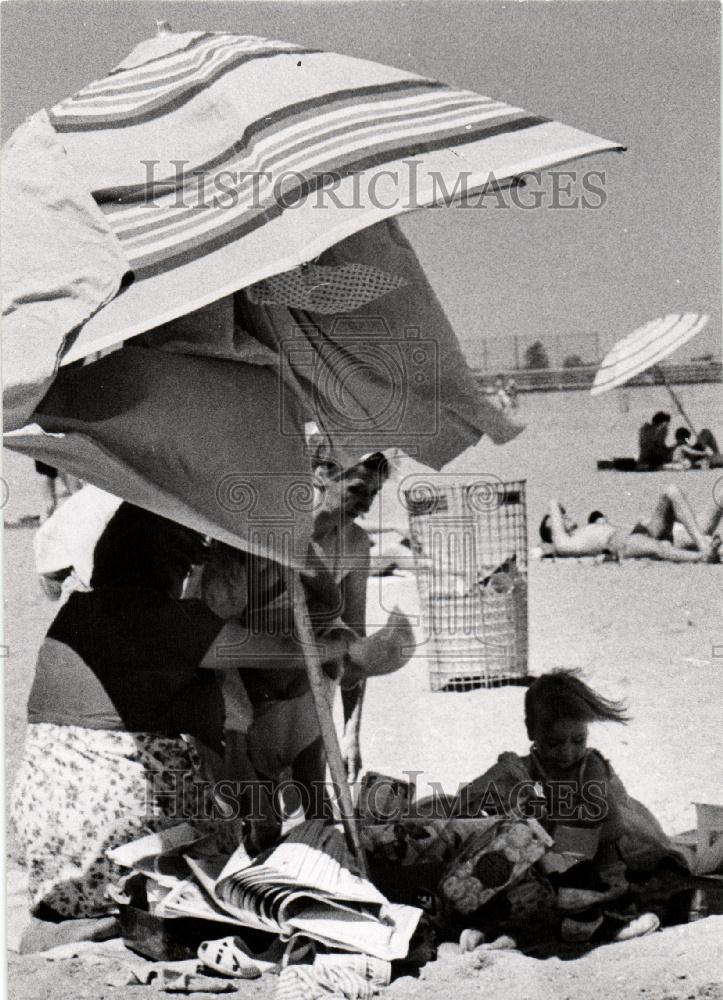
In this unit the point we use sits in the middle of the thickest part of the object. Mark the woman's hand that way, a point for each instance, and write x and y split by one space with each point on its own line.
384 652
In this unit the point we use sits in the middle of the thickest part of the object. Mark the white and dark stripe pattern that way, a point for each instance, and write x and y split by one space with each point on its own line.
217 158
310 145
135 96
645 347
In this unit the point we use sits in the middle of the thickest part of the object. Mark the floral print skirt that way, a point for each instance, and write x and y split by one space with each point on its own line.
81 792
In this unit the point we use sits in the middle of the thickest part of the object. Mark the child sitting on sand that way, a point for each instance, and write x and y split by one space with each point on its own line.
599 832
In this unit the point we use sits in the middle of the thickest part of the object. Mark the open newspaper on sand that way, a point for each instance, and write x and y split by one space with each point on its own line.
303 886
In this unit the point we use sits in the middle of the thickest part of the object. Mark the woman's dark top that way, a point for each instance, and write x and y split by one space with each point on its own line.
123 658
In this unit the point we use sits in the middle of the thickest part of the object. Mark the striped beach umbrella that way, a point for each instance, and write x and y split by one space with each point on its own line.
227 202
645 348
219 160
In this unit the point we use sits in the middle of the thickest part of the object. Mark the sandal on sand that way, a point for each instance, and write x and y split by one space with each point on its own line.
648 923
229 957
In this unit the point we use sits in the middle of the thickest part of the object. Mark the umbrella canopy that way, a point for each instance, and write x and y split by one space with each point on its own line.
158 202
219 160
646 347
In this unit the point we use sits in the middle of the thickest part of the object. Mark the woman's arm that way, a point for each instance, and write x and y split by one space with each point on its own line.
563 543
589 540
693 454
236 646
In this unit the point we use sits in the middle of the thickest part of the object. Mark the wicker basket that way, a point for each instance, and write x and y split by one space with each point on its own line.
470 551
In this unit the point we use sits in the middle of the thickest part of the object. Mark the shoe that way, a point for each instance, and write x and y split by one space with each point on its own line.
229 957
648 923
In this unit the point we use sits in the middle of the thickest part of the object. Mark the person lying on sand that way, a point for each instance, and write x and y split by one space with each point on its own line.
672 533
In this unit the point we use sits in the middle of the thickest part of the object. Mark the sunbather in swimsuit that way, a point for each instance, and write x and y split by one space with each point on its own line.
671 534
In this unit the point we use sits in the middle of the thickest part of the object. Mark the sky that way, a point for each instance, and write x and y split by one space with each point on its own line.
644 73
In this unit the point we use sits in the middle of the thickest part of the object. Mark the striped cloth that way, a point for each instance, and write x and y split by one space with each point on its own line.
219 160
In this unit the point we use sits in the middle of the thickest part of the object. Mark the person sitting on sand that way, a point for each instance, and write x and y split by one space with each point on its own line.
685 455
671 534
600 833
701 452
126 673
653 452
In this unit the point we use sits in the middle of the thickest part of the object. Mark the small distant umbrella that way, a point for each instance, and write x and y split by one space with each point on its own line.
645 348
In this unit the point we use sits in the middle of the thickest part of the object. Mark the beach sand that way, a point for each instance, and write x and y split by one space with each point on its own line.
650 633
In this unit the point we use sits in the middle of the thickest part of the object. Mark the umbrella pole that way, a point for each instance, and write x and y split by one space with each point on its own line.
319 688
675 399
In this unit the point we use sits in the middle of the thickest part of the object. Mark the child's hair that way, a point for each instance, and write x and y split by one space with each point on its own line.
562 695
682 434
595 516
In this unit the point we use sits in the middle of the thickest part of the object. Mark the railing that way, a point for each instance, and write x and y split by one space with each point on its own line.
557 379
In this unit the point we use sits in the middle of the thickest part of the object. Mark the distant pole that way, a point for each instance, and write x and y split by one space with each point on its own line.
517 354
485 359
597 347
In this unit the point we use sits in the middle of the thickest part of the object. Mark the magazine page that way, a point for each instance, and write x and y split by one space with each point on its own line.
385 937
313 855
187 899
206 872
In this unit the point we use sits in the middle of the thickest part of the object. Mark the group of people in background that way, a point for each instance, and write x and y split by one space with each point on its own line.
505 393
671 533
686 452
